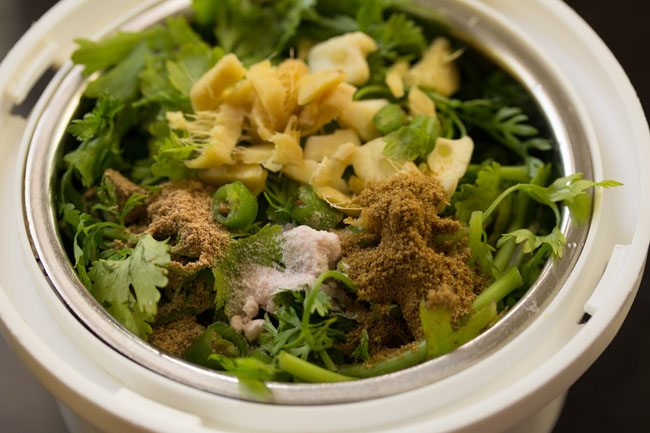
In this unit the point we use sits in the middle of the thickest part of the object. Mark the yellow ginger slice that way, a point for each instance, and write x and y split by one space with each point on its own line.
420 104
255 154
251 175
260 121
319 146
282 149
346 53
314 86
287 149
395 78
270 93
449 161
330 170
356 184
207 92
436 70
240 95
328 180
302 171
290 72
371 165
319 113
358 115
216 132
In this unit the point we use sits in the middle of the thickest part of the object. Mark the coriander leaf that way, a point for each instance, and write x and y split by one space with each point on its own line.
105 53
110 201
416 140
507 125
170 159
132 319
235 19
479 195
205 11
99 141
130 284
97 121
530 241
299 335
570 190
361 353
280 193
251 372
181 33
192 61
147 272
156 87
319 27
91 237
121 82
399 35
322 304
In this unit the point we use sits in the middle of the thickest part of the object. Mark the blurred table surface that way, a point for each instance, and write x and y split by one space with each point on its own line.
613 396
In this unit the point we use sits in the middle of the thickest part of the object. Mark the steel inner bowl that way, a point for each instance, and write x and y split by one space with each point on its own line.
487 35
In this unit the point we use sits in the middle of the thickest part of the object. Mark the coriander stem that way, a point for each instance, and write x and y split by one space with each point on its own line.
329 364
499 289
307 371
504 254
406 359
311 295
478 321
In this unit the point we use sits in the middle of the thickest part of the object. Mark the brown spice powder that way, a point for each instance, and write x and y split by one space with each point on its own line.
395 259
175 337
182 212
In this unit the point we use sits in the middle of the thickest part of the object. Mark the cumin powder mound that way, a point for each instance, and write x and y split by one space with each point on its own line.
174 338
395 259
182 212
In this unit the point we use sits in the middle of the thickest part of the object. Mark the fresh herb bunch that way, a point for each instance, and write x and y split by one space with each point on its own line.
508 201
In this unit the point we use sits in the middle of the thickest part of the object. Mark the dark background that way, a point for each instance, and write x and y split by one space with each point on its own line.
613 396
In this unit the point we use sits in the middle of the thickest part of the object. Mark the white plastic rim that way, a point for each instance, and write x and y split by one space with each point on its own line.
116 395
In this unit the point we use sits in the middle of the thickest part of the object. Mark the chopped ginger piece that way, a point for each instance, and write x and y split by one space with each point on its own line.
358 115
270 93
395 78
301 171
319 113
314 86
319 146
217 133
207 92
330 170
449 161
346 53
290 72
420 104
371 165
436 70
286 150
255 154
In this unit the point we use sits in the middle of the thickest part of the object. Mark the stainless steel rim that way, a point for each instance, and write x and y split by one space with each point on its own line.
497 41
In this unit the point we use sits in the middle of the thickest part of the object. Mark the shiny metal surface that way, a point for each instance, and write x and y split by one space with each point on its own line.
496 41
